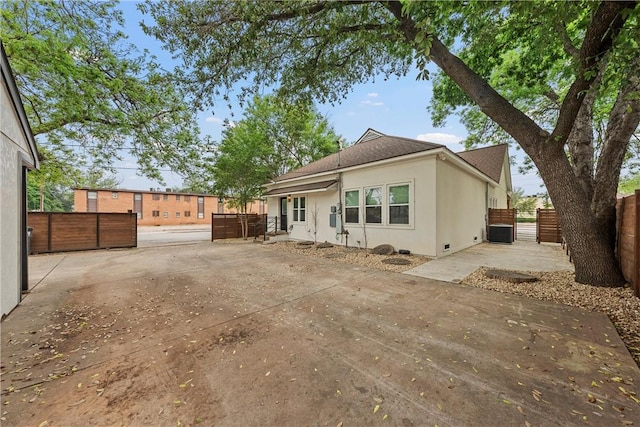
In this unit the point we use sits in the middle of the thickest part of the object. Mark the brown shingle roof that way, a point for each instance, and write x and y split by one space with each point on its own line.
488 160
371 147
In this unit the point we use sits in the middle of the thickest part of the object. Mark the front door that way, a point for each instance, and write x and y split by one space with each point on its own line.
283 213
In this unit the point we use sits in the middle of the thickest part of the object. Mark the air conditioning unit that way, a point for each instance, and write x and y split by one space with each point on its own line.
501 233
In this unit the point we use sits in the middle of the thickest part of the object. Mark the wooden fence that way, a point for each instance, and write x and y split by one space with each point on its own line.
548 226
79 231
628 230
504 216
228 226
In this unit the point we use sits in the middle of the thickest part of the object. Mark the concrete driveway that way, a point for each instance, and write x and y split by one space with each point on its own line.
521 255
244 335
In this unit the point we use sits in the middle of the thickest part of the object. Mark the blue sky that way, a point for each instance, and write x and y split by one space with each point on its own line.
395 107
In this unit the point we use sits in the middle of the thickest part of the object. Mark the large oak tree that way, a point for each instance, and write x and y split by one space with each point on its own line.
323 48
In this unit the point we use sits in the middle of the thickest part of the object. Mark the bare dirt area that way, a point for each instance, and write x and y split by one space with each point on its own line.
251 335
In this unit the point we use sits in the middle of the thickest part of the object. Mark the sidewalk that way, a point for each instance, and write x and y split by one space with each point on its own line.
523 256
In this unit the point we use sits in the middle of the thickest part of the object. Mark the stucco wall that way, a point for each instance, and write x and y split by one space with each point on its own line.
418 237
13 146
461 209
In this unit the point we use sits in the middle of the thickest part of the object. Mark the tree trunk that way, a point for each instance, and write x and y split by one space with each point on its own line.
623 120
593 256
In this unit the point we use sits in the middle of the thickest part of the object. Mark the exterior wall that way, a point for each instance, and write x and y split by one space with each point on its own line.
461 209
499 193
14 149
171 207
419 236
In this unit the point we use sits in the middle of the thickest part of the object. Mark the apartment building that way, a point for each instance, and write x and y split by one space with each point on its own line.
156 207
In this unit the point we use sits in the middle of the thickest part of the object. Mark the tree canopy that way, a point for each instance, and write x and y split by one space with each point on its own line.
90 95
272 138
320 49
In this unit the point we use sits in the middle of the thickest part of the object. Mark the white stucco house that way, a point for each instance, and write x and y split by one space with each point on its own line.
18 153
411 194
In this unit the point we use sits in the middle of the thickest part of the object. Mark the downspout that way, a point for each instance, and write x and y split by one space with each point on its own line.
486 211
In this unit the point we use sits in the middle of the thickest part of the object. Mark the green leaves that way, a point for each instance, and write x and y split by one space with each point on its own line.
86 90
274 137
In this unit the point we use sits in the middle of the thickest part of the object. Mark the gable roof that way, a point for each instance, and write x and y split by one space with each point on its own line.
372 146
16 101
488 160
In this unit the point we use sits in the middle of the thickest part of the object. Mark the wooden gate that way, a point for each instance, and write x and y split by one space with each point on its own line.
228 226
503 216
548 226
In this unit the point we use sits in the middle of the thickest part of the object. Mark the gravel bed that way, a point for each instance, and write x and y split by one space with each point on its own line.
354 256
620 304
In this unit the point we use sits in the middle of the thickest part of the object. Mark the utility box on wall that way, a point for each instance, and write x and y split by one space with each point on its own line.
332 220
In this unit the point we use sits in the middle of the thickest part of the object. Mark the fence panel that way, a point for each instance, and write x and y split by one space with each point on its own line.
116 229
77 231
548 226
628 211
504 216
229 226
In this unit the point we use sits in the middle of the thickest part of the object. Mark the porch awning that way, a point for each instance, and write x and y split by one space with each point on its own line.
304 188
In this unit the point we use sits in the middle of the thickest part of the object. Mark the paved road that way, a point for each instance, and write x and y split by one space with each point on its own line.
172 235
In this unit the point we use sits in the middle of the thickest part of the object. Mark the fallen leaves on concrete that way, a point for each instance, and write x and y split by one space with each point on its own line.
620 304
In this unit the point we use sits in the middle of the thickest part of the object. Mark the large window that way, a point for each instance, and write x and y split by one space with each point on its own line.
299 209
399 204
352 206
373 205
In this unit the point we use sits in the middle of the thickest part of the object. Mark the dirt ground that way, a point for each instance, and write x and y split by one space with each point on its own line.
245 335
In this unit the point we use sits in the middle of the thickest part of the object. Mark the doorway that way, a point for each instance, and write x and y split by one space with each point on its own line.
283 213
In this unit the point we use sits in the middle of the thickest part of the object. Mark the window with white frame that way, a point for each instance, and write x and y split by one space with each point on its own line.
114 194
352 206
399 204
373 205
299 209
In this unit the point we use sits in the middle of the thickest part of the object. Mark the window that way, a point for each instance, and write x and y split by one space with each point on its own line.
373 205
187 213
177 214
155 213
200 207
177 197
352 206
114 194
92 201
299 209
137 204
155 196
165 214
165 197
399 204
187 198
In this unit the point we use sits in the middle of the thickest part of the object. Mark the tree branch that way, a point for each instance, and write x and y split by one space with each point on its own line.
602 30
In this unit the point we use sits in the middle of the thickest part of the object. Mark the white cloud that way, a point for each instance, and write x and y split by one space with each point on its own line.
451 141
372 95
212 119
372 103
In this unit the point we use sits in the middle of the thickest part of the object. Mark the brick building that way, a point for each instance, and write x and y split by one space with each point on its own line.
156 207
